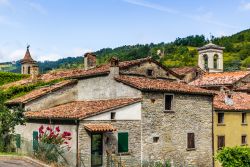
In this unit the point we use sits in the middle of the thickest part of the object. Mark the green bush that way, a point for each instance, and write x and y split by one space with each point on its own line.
234 157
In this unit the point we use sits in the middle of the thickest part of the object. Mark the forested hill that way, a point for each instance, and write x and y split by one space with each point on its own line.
181 52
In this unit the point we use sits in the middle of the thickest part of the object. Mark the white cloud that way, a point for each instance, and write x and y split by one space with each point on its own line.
5 2
38 7
245 5
152 6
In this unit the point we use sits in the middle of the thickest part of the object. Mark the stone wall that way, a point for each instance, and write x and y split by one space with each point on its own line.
64 95
158 72
191 114
133 158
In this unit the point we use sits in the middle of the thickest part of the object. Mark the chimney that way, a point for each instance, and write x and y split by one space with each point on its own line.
114 66
34 73
89 61
228 98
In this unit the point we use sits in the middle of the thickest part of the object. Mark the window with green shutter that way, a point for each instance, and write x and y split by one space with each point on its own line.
35 140
18 141
122 142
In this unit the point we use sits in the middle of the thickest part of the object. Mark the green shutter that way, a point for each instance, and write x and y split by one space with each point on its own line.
18 141
35 140
122 142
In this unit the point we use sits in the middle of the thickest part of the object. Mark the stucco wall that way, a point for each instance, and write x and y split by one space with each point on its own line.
232 129
130 112
104 87
192 114
133 158
141 69
64 95
26 132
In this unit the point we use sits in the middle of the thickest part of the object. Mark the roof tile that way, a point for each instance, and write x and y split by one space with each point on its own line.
241 102
80 109
147 84
100 127
224 78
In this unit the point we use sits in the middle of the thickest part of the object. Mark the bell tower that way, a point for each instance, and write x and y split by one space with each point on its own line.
29 66
211 58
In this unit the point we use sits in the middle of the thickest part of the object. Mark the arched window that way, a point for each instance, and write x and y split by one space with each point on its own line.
29 70
205 61
216 61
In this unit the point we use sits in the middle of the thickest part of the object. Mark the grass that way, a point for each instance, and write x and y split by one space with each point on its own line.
10 154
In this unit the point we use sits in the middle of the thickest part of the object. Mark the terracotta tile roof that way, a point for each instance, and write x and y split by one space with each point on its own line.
80 109
100 127
241 102
224 78
40 92
245 87
27 58
77 73
184 70
146 84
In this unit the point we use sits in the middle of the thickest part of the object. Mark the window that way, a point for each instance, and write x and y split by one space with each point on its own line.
155 139
113 115
221 142
244 139
168 102
220 118
244 118
28 70
122 142
190 141
149 72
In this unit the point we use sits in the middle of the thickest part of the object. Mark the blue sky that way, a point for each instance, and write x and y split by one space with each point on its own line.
63 28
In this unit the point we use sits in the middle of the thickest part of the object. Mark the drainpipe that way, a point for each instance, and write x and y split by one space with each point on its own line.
78 158
213 129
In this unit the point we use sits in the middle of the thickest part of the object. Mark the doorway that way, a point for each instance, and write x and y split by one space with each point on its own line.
96 150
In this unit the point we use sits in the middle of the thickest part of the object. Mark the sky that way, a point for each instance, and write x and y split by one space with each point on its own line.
68 28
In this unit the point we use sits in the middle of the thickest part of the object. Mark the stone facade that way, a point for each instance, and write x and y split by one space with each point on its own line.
191 114
158 72
132 158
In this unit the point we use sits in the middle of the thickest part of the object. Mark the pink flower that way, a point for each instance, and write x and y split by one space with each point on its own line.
48 128
41 129
57 129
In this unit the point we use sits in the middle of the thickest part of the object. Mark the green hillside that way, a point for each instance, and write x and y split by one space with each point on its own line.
181 52
7 77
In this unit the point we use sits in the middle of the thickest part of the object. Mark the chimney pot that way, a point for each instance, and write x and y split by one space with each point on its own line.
89 60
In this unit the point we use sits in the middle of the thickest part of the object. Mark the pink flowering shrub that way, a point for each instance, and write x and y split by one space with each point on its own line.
52 144
54 136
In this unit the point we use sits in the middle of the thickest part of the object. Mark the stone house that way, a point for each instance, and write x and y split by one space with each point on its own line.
136 110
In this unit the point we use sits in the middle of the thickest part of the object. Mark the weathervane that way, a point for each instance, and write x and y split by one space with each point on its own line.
211 37
28 46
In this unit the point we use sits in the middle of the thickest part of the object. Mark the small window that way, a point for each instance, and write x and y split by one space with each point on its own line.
168 102
220 118
122 142
221 142
113 115
155 139
190 141
28 70
149 72
244 139
244 118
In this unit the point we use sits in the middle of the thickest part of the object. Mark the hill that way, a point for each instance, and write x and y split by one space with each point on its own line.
181 52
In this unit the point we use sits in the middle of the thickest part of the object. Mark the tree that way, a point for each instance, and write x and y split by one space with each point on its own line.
8 120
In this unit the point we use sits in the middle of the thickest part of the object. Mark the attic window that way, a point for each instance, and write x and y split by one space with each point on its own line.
112 115
149 72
